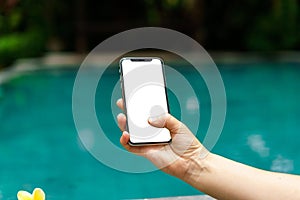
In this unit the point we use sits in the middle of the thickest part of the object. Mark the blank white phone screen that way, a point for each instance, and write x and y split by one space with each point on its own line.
145 96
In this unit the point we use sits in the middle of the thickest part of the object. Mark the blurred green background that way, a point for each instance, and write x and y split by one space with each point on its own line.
32 27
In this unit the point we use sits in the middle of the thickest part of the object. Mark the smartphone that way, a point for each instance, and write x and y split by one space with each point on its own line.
144 95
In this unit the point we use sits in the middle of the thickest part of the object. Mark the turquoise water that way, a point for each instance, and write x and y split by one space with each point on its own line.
39 145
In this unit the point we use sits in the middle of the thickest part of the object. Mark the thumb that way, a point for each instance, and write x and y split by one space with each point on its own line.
165 121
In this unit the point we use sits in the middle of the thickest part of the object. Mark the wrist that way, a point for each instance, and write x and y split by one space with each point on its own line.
198 169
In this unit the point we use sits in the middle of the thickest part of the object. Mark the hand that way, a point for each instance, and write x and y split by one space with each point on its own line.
175 158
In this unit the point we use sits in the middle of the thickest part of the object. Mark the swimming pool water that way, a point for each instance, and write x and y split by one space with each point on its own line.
39 145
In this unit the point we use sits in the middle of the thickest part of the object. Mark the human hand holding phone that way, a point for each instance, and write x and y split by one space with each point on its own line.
176 158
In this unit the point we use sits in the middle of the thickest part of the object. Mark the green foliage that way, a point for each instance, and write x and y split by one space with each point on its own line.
218 24
253 25
21 45
277 29
22 31
156 9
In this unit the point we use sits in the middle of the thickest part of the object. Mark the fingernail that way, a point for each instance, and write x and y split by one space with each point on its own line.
156 118
153 119
120 115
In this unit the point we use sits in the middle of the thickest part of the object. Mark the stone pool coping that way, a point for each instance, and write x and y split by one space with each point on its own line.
59 59
195 197
53 60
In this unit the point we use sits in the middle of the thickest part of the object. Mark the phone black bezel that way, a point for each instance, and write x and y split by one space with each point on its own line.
142 59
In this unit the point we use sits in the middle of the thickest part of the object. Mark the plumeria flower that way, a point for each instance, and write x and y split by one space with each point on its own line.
37 194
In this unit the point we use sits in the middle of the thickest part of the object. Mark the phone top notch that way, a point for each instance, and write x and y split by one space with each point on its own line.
141 59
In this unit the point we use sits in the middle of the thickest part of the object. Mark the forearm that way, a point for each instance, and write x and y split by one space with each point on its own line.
226 179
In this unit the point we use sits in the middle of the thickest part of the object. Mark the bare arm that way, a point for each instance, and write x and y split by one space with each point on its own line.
226 179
